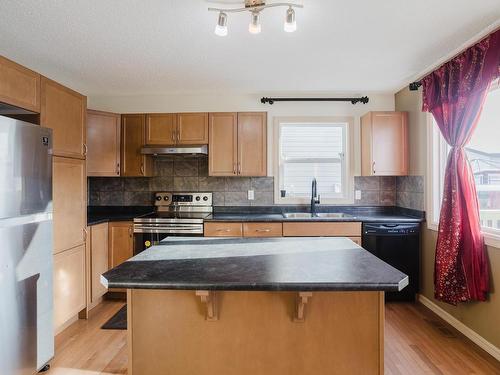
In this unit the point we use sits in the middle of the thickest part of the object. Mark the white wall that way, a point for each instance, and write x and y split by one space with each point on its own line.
247 102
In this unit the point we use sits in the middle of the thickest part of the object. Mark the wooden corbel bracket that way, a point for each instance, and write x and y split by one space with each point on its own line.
300 306
209 298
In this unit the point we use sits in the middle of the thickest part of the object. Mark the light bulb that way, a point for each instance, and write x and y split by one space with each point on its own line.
254 26
221 27
290 23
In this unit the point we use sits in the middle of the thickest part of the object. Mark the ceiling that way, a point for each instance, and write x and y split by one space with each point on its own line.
134 47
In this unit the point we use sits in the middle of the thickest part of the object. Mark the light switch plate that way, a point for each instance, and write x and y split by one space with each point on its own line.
251 195
357 195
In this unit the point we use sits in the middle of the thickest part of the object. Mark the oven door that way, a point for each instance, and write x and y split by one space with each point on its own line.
149 234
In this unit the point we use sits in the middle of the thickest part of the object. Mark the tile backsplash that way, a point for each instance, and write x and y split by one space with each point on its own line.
191 174
410 192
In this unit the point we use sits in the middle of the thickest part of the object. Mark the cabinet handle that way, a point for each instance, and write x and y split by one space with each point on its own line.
173 136
223 230
118 169
85 149
234 168
85 234
373 167
178 136
130 233
263 230
142 169
239 168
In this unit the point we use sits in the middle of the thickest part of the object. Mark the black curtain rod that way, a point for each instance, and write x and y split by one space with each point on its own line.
271 101
415 85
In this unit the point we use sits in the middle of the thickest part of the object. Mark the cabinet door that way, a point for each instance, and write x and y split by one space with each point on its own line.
223 144
120 242
389 144
64 110
103 144
252 144
161 129
192 128
69 285
19 86
133 163
69 198
98 259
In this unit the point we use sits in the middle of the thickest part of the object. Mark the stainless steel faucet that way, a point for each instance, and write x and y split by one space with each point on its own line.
314 197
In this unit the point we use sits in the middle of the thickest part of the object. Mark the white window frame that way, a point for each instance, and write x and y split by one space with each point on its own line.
436 162
348 177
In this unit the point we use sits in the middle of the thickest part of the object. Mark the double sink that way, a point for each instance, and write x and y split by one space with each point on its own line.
308 215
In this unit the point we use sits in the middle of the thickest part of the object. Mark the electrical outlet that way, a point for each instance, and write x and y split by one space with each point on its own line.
357 195
251 195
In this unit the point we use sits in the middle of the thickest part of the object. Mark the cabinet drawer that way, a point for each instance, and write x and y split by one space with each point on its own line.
222 229
262 229
305 229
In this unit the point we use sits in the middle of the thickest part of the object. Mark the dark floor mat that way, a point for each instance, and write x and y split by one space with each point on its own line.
118 321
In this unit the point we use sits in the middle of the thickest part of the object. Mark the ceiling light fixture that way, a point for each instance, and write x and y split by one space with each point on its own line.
221 27
255 7
254 26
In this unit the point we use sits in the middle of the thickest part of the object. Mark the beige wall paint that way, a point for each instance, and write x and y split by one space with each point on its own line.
481 317
214 102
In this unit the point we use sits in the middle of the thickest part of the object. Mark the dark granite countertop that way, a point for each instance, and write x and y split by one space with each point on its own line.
103 214
261 264
352 213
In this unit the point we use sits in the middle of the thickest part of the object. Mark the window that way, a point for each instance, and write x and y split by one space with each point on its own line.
313 148
483 152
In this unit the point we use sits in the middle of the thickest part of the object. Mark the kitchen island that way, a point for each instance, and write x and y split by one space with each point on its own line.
255 306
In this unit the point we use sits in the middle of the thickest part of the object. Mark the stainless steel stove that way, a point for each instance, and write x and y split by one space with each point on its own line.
177 214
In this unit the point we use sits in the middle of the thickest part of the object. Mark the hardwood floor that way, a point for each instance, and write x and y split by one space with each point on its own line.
416 342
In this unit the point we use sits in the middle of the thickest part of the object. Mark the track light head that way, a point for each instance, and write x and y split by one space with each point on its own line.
221 27
254 27
290 23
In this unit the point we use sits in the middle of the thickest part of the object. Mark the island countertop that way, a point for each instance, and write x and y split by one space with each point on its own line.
256 264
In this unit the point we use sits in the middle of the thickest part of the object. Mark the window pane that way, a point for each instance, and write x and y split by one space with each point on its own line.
299 141
297 178
483 152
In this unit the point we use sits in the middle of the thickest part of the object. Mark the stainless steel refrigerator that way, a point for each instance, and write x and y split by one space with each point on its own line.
26 306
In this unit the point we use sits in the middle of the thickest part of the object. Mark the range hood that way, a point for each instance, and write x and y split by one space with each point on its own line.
175 150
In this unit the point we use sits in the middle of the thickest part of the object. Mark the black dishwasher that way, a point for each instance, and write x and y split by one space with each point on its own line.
399 245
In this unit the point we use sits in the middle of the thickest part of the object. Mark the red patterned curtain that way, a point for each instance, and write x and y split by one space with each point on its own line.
455 95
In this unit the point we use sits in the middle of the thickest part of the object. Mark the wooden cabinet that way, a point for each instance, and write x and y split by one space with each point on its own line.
323 229
262 229
237 144
133 163
223 229
169 129
120 242
192 128
384 144
69 198
98 261
64 110
161 129
19 86
103 144
69 285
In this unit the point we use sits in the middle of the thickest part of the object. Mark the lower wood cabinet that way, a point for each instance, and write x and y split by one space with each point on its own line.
323 229
262 229
223 229
98 261
69 285
120 242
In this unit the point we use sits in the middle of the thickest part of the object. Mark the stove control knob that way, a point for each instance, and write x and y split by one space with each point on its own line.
205 198
197 198
166 198
158 198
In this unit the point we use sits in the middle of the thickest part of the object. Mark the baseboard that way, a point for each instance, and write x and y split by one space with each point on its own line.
462 328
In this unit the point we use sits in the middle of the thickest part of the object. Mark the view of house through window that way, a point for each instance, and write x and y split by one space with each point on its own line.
312 150
483 152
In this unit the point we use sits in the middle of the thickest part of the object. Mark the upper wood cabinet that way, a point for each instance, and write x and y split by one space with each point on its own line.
384 144
237 144
70 204
120 242
64 110
192 128
133 163
161 129
103 144
19 86
168 129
